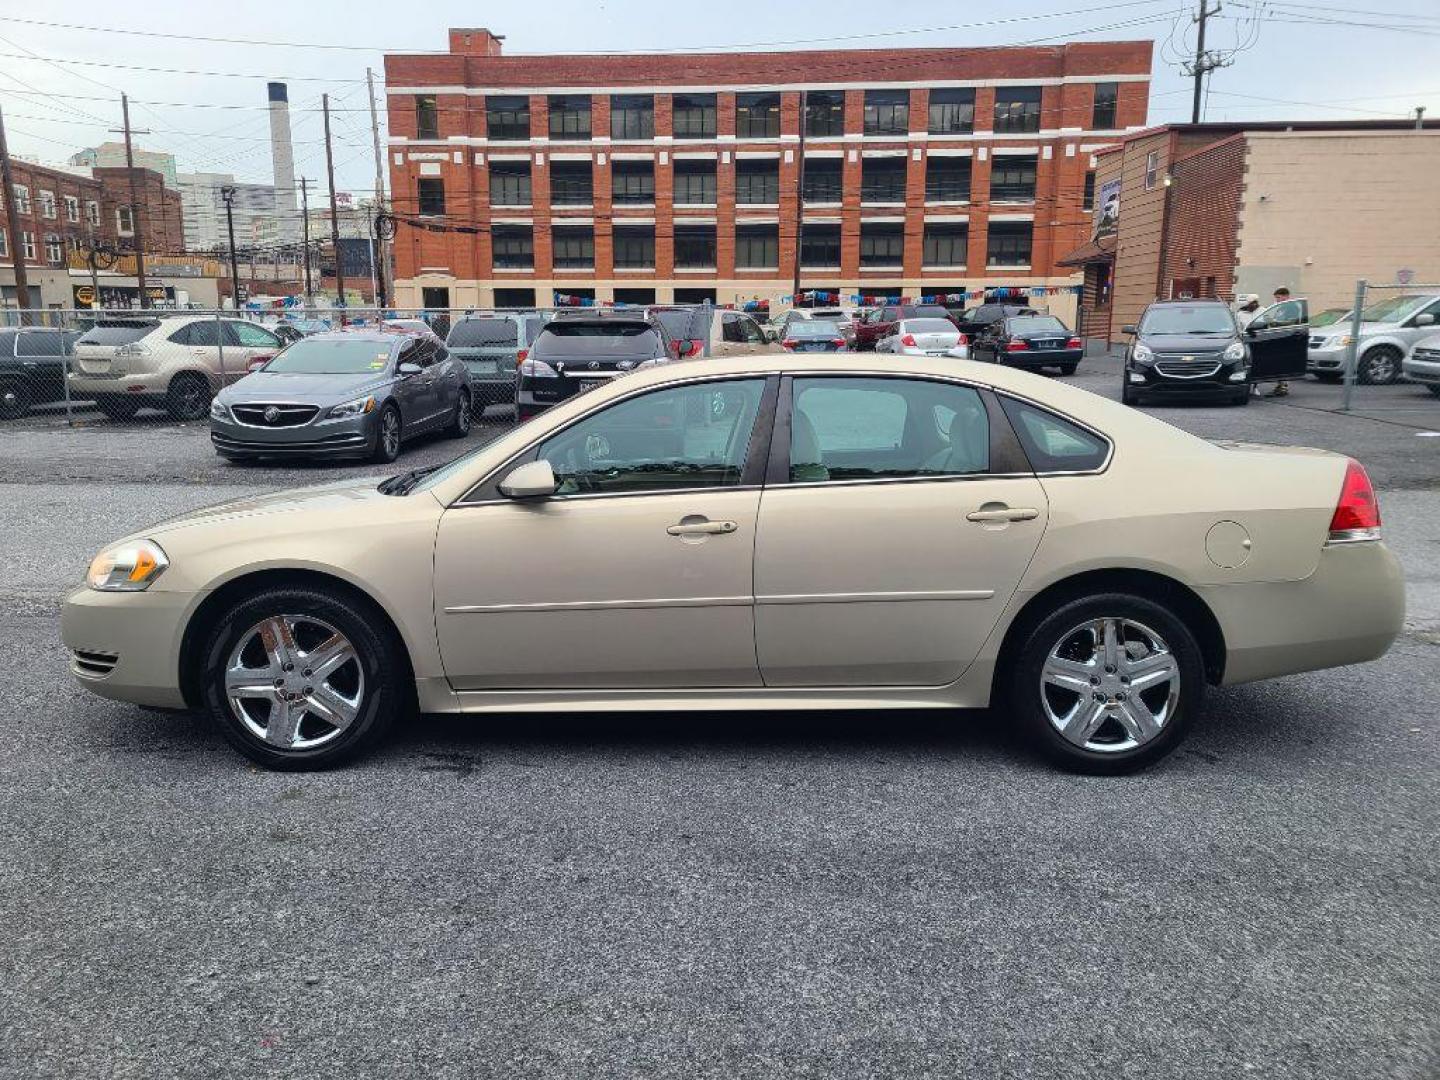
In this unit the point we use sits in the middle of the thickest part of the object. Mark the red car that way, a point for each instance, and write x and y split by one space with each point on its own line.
881 321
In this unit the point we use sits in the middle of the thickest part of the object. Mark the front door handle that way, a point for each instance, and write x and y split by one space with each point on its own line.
1003 513
701 528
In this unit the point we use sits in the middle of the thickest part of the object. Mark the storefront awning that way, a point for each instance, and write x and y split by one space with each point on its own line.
1099 250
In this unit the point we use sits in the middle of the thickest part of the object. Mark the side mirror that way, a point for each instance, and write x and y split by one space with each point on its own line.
1128 328
533 480
1426 319
407 369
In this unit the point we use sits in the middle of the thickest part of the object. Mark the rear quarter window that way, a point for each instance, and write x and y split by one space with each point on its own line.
1052 443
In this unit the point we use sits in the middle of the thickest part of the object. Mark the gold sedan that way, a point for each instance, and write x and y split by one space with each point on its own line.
827 532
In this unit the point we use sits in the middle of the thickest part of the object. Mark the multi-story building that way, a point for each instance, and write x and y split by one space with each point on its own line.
679 176
162 218
111 155
257 220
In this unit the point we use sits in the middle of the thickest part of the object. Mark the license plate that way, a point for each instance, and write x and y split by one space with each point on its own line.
590 384
485 367
935 352
1047 345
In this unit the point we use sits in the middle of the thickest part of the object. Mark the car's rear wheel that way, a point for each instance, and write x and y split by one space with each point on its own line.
1433 388
302 678
1107 683
1378 366
1068 369
118 408
459 425
14 400
188 397
387 436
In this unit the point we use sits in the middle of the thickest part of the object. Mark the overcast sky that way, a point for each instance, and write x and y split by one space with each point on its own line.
1327 60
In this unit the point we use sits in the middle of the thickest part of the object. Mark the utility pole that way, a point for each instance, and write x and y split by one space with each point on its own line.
334 211
17 240
377 256
799 198
1419 117
305 235
135 215
228 194
1204 62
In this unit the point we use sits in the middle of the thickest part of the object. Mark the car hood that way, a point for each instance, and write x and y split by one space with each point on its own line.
264 386
341 493
1187 342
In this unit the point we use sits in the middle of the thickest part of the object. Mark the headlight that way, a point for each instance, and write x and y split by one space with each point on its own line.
536 369
1143 355
218 410
1340 341
353 408
1236 351
127 568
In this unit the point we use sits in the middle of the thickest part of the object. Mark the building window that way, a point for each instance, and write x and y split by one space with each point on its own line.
72 242
824 113
695 247
757 247
512 247
92 213
887 112
1107 100
757 116
27 245
431 196
694 116
573 247
54 250
632 116
882 244
635 247
427 117
1012 178
4 245
22 199
945 244
124 221
1152 169
1017 108
72 208
695 182
1009 243
47 203
571 183
757 182
507 117
882 179
510 183
569 116
632 183
952 111
820 246
823 181
1088 202
947 179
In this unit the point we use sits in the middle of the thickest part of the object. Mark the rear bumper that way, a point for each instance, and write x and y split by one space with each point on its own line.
142 631
1351 609
1034 358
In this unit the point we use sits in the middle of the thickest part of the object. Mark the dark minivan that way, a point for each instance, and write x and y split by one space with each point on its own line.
1199 346
574 353
979 318
32 367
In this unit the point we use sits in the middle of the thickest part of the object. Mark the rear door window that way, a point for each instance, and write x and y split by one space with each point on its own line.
36 344
206 333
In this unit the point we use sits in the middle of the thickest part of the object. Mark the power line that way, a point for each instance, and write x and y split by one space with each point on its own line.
268 76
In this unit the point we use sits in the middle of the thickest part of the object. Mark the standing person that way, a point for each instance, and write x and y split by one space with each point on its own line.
1282 387
1247 306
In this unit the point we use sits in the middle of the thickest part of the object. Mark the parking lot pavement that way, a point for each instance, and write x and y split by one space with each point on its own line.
898 894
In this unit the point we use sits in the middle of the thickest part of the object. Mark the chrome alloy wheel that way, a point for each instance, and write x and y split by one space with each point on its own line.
1110 685
294 681
390 433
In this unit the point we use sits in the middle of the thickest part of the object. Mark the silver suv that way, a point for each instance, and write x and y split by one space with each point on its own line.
1388 328
175 363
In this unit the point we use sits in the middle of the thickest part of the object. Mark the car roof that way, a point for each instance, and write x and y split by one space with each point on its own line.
1205 302
361 333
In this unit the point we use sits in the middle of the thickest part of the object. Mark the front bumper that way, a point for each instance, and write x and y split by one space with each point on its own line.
1349 610
1327 360
141 631
352 435
1423 366
1147 379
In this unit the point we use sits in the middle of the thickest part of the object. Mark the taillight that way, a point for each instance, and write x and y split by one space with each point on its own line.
1073 343
521 355
1016 345
963 340
907 339
694 347
789 343
838 342
1357 515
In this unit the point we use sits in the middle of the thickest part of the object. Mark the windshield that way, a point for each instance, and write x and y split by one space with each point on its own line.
1037 324
929 326
815 328
1392 309
332 356
470 333
1330 316
1185 319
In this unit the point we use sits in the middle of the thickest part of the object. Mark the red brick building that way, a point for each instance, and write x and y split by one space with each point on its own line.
160 207
678 176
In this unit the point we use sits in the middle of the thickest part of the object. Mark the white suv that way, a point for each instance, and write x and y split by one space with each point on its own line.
175 363
1388 328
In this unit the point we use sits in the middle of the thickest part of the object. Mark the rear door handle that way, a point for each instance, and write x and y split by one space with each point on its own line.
701 528
1003 514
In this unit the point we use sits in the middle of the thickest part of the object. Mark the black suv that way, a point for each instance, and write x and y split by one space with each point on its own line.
981 318
574 353
1199 346
32 367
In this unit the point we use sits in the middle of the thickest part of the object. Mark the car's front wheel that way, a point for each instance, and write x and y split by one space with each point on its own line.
302 678
1106 683
387 436
1379 366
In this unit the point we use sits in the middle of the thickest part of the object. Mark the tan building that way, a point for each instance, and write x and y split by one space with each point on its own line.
1216 210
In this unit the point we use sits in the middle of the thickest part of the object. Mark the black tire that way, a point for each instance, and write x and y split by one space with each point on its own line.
387 450
1379 366
14 399
188 397
1331 377
1068 369
118 408
1433 388
1027 704
378 657
1128 396
459 425
1241 398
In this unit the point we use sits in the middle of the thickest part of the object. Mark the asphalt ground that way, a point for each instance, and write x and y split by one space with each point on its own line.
701 895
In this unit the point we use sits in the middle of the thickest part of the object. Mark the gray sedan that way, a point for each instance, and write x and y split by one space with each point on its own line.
347 393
